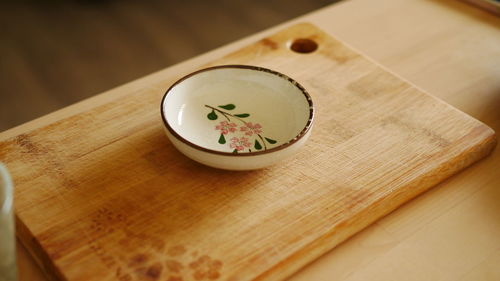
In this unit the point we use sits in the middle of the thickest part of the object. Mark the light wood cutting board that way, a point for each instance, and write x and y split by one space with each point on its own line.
103 195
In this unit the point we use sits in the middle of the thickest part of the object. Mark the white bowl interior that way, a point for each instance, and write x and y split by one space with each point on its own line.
277 109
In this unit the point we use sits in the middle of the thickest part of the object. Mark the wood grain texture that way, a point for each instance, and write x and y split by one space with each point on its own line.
102 195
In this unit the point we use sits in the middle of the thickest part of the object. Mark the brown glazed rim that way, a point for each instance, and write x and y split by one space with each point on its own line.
251 67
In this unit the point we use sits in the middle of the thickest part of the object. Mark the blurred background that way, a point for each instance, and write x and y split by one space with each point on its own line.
55 53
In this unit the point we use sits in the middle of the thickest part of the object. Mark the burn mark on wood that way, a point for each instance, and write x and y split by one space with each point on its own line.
176 250
174 266
138 259
24 141
154 271
206 268
269 43
44 156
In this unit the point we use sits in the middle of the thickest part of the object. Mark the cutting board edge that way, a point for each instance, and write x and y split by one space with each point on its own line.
31 244
382 208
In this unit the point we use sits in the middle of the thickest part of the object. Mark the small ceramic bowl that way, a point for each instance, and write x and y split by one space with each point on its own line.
237 117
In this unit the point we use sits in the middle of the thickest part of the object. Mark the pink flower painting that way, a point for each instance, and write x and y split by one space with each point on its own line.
250 129
225 127
239 143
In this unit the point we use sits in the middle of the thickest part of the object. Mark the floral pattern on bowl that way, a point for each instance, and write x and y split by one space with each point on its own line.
242 136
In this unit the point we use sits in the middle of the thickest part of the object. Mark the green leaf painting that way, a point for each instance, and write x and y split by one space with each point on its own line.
257 145
242 115
212 115
271 141
222 139
228 106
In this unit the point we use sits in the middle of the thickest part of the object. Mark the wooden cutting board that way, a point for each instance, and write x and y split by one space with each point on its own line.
103 195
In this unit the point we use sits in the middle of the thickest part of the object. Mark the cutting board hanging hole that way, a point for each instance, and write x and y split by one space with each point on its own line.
303 45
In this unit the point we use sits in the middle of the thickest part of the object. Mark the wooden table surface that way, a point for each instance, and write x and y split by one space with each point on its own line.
450 50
